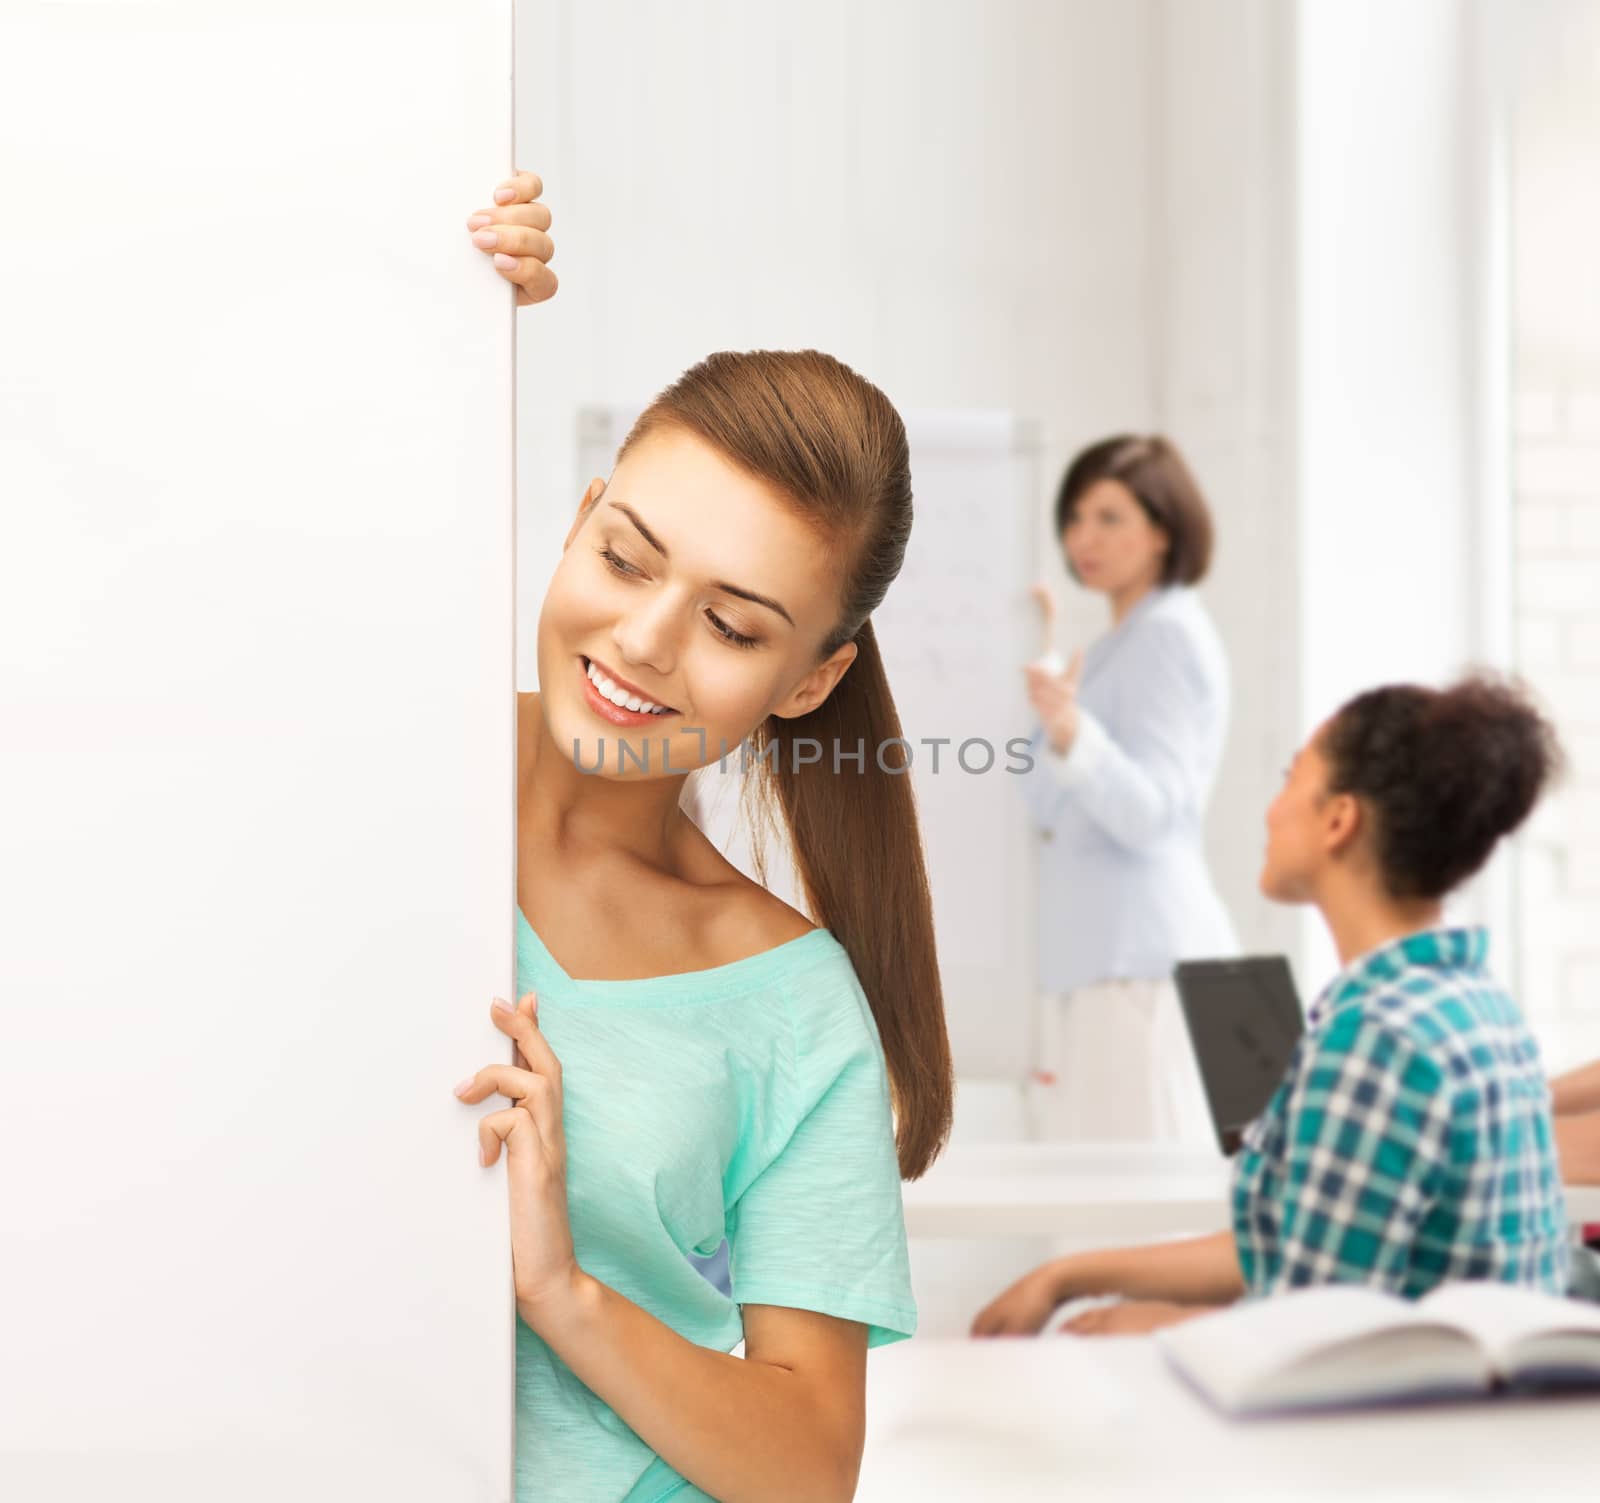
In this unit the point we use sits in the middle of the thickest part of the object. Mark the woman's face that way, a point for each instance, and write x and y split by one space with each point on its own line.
1306 827
691 584
1110 542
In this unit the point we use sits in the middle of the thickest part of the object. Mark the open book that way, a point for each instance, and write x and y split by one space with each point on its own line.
1342 1344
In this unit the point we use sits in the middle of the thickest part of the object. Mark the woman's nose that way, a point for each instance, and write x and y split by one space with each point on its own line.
647 637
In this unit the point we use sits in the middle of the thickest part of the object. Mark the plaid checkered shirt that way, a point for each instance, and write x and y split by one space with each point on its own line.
1410 1142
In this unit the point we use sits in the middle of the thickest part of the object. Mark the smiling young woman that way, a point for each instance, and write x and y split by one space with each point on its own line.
699 1061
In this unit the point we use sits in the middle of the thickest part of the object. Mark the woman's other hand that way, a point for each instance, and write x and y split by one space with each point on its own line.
514 229
1046 601
544 1266
1024 1308
1129 1317
1054 697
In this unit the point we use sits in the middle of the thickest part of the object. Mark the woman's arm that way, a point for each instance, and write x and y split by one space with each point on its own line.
1040 789
1576 1091
1578 1147
1135 785
1195 1271
786 1422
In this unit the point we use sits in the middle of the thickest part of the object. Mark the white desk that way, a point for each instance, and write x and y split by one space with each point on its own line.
1090 1191
1066 1418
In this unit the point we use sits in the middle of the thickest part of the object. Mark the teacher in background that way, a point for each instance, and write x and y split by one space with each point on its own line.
1123 761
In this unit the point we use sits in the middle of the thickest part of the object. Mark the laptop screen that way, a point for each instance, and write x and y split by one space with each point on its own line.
1244 1019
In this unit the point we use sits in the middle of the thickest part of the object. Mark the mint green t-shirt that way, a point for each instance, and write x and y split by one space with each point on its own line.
748 1101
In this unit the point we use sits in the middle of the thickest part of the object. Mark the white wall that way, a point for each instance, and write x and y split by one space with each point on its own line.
1224 341
1396 404
1555 227
256 776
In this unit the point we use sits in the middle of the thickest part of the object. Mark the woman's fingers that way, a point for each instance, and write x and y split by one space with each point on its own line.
536 1093
508 1080
515 231
520 253
522 1024
521 187
1048 693
991 1321
514 240
516 1129
534 281
1074 673
534 216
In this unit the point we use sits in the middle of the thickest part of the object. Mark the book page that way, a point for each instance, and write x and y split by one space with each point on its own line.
1513 1325
1236 1353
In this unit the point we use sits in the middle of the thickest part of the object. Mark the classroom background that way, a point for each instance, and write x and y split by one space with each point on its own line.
1342 251
1342 254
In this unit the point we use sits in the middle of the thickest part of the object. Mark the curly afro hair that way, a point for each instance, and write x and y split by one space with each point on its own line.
1446 773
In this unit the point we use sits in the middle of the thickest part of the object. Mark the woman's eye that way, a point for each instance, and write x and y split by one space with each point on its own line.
727 633
620 566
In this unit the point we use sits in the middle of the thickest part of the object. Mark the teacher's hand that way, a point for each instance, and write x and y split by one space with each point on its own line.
1054 697
514 230
544 1266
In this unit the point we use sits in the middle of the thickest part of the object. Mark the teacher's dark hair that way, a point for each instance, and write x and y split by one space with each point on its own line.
1154 471
1444 772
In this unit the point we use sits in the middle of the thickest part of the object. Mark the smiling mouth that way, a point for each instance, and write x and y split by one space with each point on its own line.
617 701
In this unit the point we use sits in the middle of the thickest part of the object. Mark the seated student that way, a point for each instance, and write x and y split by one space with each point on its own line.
1410 1142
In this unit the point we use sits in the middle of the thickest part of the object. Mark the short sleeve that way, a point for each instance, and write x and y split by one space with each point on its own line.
821 1226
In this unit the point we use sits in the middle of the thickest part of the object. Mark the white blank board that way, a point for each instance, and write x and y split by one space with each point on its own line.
257 770
954 629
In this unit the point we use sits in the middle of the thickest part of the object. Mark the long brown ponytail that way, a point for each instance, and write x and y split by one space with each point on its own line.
832 445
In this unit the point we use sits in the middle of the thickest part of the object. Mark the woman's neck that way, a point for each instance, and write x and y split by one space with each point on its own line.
563 809
1123 601
1361 920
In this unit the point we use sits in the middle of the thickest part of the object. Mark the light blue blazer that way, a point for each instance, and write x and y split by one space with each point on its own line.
1123 886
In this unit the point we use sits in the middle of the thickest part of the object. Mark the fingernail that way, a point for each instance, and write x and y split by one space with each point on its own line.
462 1087
477 221
485 239
504 195
501 1005
504 262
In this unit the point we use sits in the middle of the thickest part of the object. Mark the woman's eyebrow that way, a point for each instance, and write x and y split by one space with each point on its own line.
716 584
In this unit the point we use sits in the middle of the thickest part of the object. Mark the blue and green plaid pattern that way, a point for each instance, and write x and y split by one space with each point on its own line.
1410 1142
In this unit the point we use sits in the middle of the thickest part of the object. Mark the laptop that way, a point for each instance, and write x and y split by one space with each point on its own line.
1244 1019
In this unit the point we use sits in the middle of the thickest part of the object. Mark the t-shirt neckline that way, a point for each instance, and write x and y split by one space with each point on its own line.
748 973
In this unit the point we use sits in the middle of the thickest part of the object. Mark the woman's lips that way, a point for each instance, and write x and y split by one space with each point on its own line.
615 713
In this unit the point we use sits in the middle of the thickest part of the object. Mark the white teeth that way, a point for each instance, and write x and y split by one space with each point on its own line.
620 696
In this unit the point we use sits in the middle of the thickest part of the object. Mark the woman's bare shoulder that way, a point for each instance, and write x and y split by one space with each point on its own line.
738 916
